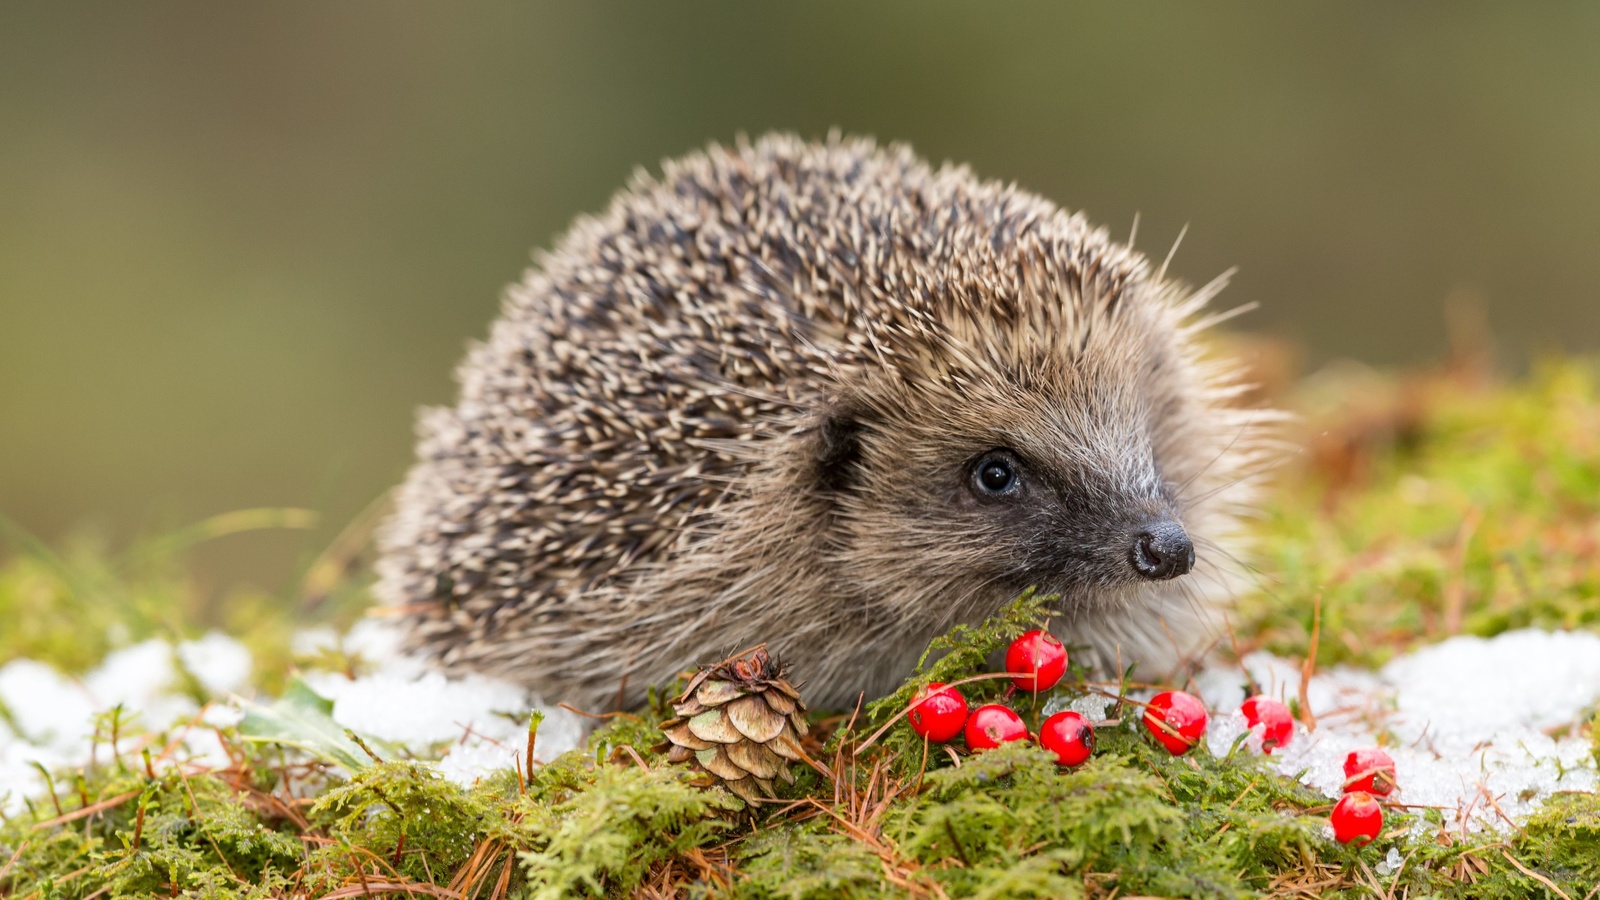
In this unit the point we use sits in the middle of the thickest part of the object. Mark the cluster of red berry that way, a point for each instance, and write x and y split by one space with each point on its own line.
1036 662
1358 815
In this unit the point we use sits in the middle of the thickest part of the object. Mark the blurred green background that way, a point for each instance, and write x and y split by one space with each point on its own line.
239 244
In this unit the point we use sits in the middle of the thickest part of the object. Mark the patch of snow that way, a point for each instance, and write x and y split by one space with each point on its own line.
469 762
1091 706
1465 721
143 679
55 714
48 708
428 709
220 663
202 747
403 701
378 642
222 716
483 722
311 641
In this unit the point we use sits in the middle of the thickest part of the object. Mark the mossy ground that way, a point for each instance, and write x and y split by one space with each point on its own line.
1439 504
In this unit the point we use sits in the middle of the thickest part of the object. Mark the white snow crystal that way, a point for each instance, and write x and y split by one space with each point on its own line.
1464 720
1468 687
1091 706
467 763
1223 730
313 640
377 642
133 674
220 663
429 709
404 702
46 707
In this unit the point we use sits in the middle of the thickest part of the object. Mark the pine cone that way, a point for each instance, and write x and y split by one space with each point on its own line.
741 721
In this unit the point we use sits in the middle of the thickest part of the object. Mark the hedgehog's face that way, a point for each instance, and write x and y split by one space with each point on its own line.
1050 479
1061 525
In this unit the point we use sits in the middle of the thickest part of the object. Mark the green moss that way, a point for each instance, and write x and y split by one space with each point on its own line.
1012 818
604 838
1433 506
402 812
807 862
174 832
1563 839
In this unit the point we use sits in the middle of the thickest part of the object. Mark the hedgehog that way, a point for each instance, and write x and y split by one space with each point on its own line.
829 398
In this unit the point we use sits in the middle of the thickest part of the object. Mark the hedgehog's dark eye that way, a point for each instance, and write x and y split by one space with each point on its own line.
995 474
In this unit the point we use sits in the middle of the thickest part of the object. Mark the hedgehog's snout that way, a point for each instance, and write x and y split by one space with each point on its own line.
1162 550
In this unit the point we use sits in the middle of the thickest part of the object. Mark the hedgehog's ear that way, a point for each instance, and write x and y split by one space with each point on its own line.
838 448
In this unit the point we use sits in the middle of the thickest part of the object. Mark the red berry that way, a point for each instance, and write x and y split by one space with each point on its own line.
1357 815
1176 720
990 726
1036 661
1272 719
938 712
1069 736
1369 769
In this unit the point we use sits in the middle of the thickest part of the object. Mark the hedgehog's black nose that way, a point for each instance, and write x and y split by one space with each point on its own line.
1161 551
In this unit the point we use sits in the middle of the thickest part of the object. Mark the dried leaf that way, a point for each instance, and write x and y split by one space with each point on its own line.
756 759
712 725
678 733
718 693
781 703
787 746
716 762
755 719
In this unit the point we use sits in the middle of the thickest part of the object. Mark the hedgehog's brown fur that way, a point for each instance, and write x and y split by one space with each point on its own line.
744 404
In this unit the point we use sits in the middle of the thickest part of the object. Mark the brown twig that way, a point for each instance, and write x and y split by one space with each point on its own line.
1535 876
14 857
138 825
602 716
87 811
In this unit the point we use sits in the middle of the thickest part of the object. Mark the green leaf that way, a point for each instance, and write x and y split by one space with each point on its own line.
303 719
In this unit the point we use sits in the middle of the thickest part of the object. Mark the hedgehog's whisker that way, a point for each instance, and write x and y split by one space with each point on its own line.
1244 567
1261 580
1268 466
